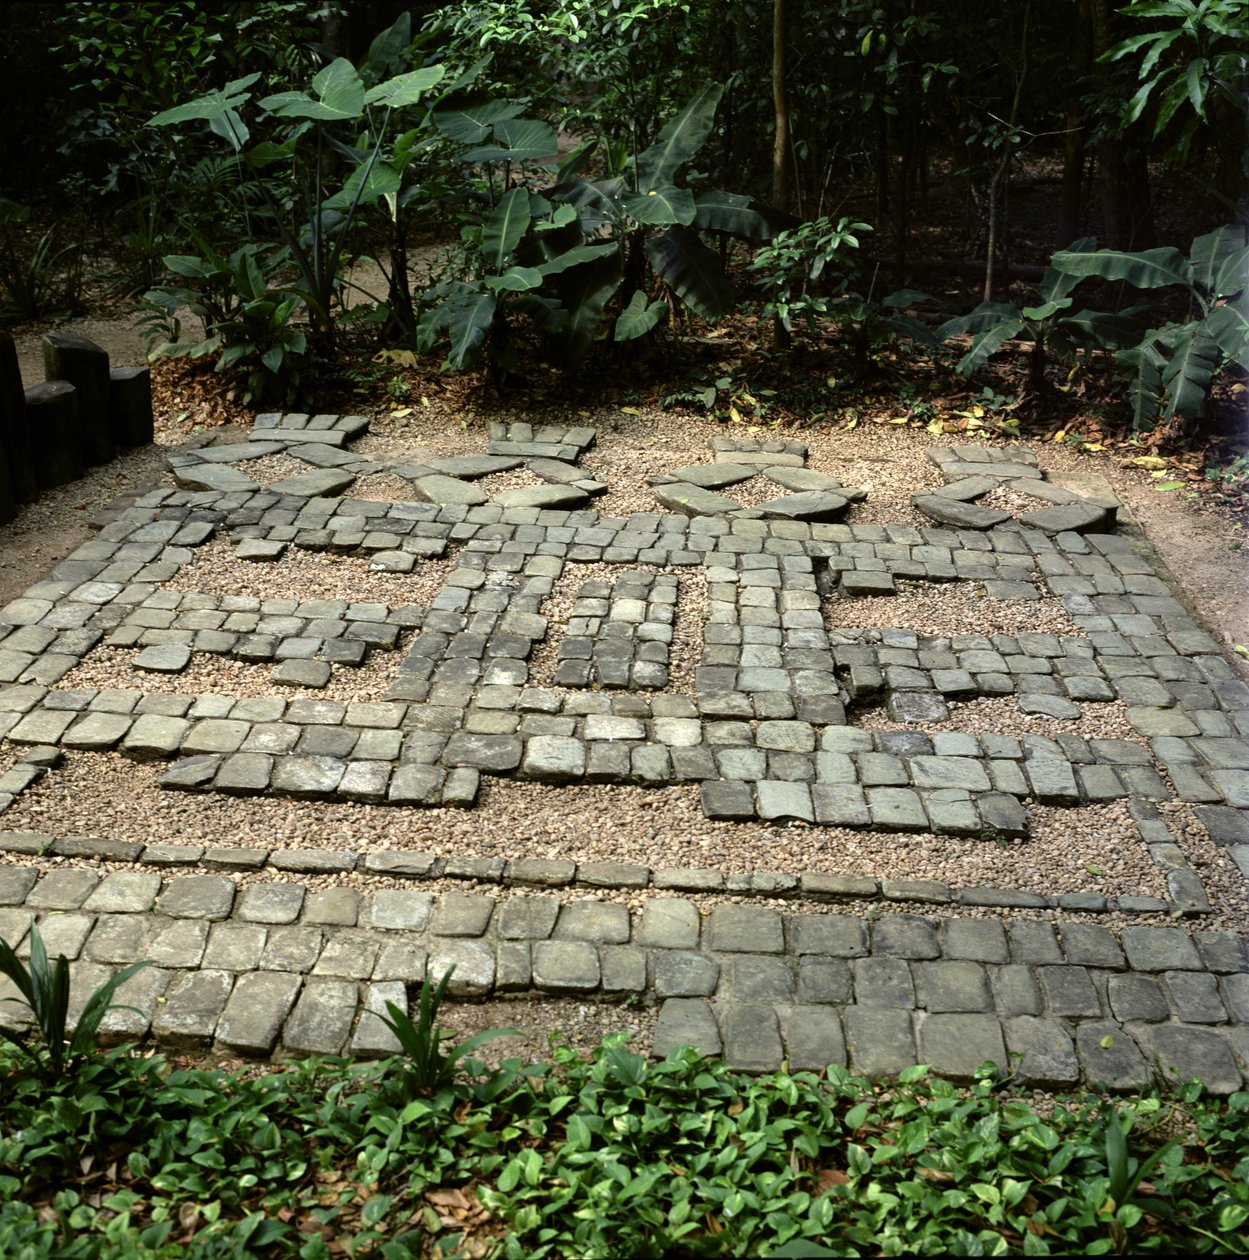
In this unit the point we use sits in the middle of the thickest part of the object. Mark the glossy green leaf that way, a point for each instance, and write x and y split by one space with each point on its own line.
692 271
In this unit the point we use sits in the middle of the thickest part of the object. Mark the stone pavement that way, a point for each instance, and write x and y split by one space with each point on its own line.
767 730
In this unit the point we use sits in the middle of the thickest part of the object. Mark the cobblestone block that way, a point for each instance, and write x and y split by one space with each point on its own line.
755 978
1110 1059
604 922
67 933
270 903
837 935
1195 997
197 897
685 1022
813 1038
1069 992
955 1045
1184 1054
880 1041
883 981
193 1005
528 918
904 936
566 966
979 940
734 928
134 1006
752 1039
401 910
372 1038
255 1012
320 1022
669 923
473 964
1160 949
338 907
623 969
1041 1051
954 985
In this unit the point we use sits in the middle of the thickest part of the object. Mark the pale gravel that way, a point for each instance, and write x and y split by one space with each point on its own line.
1001 715
308 575
103 794
949 608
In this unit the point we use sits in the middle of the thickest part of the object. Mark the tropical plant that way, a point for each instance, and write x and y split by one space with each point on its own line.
1191 68
1177 363
246 313
566 255
313 216
44 989
39 275
425 1066
1051 324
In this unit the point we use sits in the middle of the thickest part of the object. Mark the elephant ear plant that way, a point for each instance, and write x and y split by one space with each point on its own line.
44 988
603 254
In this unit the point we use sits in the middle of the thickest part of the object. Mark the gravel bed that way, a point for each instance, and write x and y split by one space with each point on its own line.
106 795
308 575
212 674
382 488
948 608
1001 715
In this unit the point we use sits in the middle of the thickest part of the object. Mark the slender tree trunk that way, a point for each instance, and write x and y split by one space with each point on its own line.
997 187
1072 206
780 105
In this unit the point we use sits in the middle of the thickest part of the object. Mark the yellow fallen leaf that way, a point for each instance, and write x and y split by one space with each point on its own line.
425 401
734 414
1148 461
400 412
1059 436
631 411
1094 446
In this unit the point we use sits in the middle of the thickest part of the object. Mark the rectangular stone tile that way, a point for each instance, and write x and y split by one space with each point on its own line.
255 1012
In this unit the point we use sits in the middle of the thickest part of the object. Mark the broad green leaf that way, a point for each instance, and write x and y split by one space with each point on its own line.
596 200
988 343
1193 79
683 136
1100 328
210 105
404 89
526 139
576 256
1149 269
906 297
1220 261
516 280
1046 309
1190 372
639 317
911 328
692 271
470 124
660 207
1228 328
504 228
189 265
986 315
365 185
467 319
231 128
388 51
584 291
717 211
339 96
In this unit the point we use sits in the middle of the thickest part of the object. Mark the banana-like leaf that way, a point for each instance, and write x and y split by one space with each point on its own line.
515 280
339 96
210 105
987 315
1099 328
661 207
692 271
231 128
717 211
1057 284
470 124
1149 269
387 52
584 292
596 200
1221 261
1190 370
1228 327
1145 389
504 228
549 240
988 343
516 140
466 315
683 136
639 317
578 255
404 89
909 327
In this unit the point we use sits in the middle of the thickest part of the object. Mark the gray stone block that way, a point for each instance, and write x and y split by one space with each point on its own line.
956 1045
320 1022
1041 1052
880 1041
749 929
255 1012
685 1022
188 1017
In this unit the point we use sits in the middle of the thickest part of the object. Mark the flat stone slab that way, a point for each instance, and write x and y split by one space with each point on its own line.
441 489
318 483
1076 518
542 497
760 459
682 496
957 514
999 470
708 476
470 467
802 479
965 489
557 471
238 452
163 658
221 478
808 505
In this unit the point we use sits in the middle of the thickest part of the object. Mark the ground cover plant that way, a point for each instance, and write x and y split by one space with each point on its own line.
433 1153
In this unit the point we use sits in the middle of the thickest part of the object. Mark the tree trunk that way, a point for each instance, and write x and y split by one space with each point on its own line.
1071 209
780 104
1127 204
